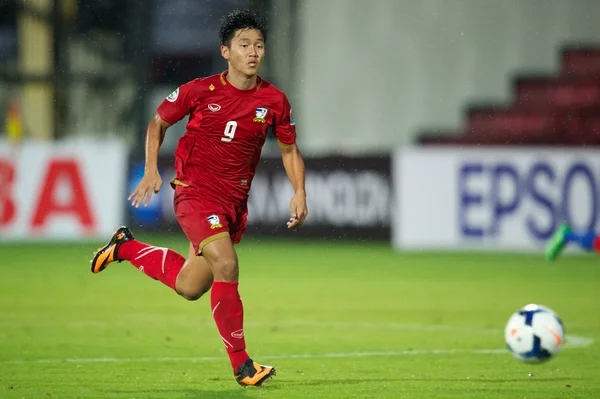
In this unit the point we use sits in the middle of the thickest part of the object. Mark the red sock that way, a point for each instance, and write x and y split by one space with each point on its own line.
228 313
596 244
158 263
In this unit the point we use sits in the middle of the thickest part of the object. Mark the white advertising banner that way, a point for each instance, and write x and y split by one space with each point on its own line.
63 190
496 198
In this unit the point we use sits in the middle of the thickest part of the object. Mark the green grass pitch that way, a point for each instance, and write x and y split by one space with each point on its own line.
337 319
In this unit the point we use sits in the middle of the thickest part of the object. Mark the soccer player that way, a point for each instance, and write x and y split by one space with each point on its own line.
587 240
215 161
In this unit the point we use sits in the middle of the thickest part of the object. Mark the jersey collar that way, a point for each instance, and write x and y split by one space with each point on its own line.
230 87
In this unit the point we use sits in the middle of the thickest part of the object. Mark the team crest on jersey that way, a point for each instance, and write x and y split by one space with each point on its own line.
292 120
173 96
261 112
214 221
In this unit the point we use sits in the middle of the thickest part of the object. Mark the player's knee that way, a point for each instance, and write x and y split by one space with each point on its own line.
191 296
191 292
226 269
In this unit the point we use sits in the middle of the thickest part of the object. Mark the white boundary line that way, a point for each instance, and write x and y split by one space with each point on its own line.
273 357
280 324
573 342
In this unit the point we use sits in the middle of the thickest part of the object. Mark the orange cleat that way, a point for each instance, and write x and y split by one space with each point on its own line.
109 252
252 373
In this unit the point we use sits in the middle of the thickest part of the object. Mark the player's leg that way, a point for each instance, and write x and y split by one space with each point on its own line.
196 217
195 278
225 262
564 235
159 263
228 311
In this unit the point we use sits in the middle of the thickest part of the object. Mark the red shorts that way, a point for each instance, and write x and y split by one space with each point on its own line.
204 221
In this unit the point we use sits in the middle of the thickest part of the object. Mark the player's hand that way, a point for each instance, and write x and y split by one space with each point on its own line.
298 210
150 183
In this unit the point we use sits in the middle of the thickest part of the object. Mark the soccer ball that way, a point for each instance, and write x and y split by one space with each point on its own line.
534 334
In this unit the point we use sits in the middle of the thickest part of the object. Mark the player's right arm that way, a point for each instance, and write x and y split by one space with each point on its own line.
151 182
173 108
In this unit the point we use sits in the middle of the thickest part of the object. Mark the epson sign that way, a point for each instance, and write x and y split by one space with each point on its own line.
494 198
541 193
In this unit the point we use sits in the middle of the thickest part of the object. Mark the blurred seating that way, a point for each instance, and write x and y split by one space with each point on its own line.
583 62
561 110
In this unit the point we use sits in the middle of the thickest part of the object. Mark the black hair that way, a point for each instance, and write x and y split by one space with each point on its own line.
240 19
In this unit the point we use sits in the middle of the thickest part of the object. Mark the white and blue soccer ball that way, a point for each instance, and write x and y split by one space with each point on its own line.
534 334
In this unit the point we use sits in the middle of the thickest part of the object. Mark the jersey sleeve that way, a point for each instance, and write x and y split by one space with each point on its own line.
177 104
285 125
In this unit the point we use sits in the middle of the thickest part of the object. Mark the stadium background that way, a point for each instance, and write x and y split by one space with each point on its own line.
369 86
428 127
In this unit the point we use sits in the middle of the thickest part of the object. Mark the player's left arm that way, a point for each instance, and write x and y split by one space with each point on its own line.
285 132
294 168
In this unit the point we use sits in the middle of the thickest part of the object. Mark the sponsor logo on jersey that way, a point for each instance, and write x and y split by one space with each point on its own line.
211 87
261 112
173 96
214 221
292 120
214 107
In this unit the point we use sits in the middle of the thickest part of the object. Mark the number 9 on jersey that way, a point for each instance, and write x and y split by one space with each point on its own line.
229 131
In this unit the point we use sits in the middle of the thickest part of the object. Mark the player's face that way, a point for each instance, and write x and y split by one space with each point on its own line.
246 52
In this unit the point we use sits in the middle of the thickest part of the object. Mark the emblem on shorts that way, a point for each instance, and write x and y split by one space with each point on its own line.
261 112
214 221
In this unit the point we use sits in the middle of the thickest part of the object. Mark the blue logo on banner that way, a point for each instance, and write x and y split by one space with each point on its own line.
151 215
543 198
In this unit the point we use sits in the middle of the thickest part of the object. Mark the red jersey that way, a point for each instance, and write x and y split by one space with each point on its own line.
225 133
